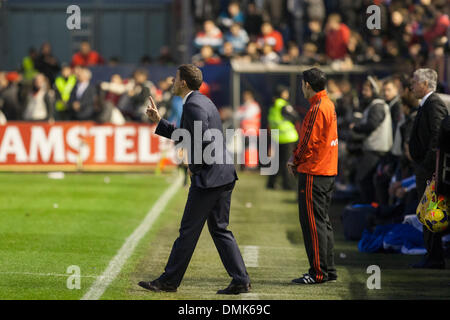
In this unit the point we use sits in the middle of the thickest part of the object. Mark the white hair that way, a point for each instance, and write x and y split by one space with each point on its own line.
428 75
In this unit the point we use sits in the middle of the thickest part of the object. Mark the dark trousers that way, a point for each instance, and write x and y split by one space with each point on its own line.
365 172
314 199
433 241
285 153
211 205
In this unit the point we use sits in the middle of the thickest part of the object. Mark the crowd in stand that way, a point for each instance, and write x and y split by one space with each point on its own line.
300 32
322 32
45 90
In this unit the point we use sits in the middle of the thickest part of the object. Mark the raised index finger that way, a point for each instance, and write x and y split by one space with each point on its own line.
152 102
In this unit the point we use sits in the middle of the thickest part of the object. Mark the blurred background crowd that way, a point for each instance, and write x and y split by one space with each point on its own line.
413 34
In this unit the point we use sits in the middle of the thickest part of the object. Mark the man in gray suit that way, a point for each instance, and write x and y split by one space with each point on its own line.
209 196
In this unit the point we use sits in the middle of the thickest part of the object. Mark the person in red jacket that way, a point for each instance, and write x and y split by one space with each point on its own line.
337 36
271 37
86 56
315 161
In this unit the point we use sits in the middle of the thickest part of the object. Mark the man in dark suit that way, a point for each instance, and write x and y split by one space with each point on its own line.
209 196
422 147
82 97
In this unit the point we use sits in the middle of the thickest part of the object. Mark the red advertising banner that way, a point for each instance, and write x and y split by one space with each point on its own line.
82 146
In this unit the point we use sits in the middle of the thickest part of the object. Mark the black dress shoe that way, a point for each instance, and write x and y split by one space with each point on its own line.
236 289
426 264
157 286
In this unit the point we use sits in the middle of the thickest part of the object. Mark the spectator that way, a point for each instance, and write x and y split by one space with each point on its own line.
39 106
63 87
309 55
165 57
409 108
46 63
441 23
205 10
115 88
337 37
9 96
82 97
238 37
86 56
293 55
375 132
28 67
113 61
351 11
392 98
253 21
206 57
145 61
232 16
357 49
251 54
270 37
227 52
296 14
275 12
315 10
134 102
316 35
397 31
205 89
209 36
249 117
269 56
249 114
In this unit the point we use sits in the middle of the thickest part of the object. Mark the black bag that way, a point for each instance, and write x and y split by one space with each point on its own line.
355 219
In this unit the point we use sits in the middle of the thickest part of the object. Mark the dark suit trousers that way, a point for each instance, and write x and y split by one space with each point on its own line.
433 241
211 205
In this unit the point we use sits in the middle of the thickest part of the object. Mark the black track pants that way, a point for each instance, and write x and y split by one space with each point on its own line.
314 198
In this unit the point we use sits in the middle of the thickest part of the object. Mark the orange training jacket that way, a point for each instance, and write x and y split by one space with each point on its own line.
317 151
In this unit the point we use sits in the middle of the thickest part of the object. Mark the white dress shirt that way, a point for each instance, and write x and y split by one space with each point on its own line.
424 99
186 97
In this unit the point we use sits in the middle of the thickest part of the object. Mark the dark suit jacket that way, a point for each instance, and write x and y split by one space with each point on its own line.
87 101
200 108
424 138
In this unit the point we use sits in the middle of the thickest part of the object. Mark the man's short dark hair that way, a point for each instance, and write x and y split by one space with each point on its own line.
192 75
316 78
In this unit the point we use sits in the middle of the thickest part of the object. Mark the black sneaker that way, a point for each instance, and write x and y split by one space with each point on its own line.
306 279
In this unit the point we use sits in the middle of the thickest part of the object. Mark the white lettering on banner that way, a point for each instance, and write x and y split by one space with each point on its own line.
122 143
144 143
75 137
12 144
40 143
100 134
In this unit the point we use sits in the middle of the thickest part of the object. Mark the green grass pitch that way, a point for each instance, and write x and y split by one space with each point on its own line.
48 225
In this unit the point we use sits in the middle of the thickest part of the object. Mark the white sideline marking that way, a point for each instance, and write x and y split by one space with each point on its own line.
249 296
250 256
115 265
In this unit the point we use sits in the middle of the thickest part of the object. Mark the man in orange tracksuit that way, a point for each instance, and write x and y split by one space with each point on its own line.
315 161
